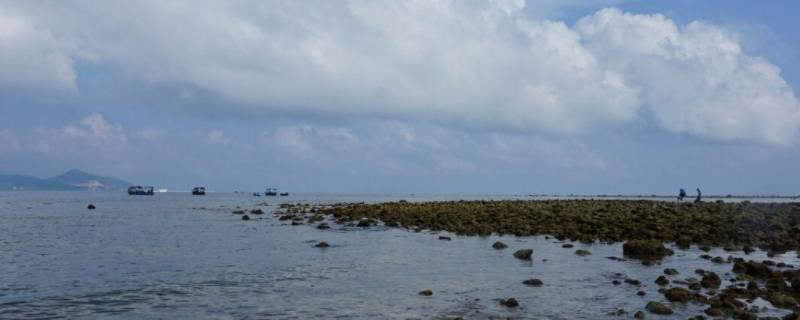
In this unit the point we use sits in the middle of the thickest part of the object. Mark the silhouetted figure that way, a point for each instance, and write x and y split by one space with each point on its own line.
681 195
699 196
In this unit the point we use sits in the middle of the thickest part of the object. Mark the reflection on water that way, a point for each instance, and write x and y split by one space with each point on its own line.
175 255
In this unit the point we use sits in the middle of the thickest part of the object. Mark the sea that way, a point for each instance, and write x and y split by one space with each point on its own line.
178 256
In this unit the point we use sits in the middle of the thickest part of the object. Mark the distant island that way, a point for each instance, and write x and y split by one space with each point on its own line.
71 180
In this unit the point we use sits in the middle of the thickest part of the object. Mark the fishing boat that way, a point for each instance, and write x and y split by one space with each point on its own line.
271 192
199 191
283 194
141 191
256 194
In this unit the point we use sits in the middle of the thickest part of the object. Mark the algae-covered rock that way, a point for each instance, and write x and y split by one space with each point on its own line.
671 271
510 302
523 254
533 282
662 281
582 252
658 308
499 245
678 294
645 249
426 292
710 280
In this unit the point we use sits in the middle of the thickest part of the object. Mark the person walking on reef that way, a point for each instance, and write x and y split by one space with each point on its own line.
681 195
699 196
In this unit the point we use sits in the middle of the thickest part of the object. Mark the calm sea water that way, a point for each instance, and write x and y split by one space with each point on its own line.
178 256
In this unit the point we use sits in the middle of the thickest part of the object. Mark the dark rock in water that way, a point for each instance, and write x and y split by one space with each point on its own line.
91 207
633 282
641 293
678 294
499 245
670 271
616 282
245 217
323 226
714 312
645 249
238 211
705 256
696 286
638 315
620 312
582 252
710 280
364 223
533 282
297 223
747 249
662 281
524 254
257 211
718 260
444 238
567 245
322 244
658 308
510 302
391 224
426 293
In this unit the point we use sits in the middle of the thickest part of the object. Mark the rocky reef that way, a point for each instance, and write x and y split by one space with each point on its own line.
770 226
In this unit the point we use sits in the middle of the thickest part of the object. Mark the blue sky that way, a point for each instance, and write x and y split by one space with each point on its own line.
502 96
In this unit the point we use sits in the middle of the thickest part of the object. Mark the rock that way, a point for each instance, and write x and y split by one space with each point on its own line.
238 211
641 293
678 294
783 301
533 282
696 286
567 245
245 217
297 223
582 252
645 249
638 315
322 244
444 238
426 293
364 223
499 245
714 312
91 207
616 282
718 260
633 282
710 280
671 271
257 211
524 254
323 226
658 308
510 302
662 281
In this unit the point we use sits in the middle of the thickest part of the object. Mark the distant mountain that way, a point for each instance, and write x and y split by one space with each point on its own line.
70 180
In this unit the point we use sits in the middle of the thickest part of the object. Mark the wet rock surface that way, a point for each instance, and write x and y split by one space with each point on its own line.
523 254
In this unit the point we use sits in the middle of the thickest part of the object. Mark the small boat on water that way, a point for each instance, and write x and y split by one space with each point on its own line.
199 191
283 194
256 194
141 191
271 192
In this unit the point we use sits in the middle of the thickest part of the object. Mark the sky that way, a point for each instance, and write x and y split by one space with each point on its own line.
479 97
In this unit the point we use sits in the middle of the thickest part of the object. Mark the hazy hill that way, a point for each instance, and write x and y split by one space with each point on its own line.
70 180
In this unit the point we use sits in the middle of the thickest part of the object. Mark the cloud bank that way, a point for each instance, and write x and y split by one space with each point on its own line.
489 65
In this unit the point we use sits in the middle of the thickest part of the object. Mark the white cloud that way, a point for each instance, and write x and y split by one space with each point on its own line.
695 79
33 56
455 63
218 137
152 134
93 136
305 139
9 141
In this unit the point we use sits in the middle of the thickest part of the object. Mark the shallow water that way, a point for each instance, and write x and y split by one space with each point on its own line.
179 256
